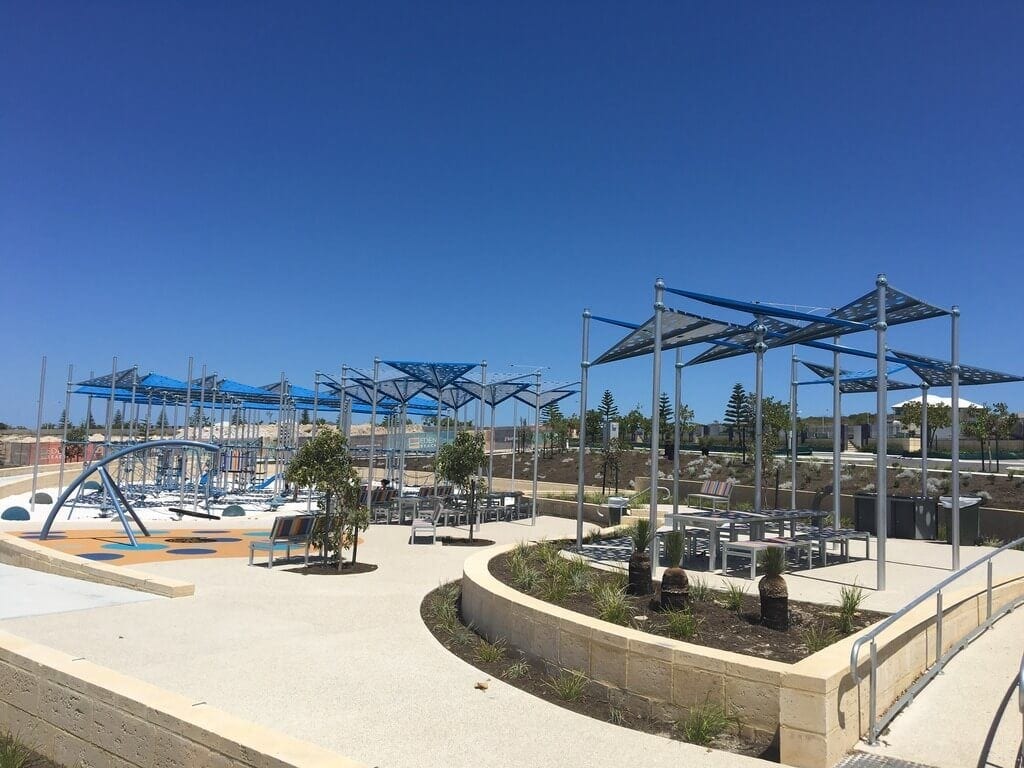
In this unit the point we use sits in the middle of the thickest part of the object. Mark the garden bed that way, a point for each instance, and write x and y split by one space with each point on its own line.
726 620
347 569
458 541
708 726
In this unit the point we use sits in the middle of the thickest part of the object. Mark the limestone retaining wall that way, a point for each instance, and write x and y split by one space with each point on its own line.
29 554
80 714
812 707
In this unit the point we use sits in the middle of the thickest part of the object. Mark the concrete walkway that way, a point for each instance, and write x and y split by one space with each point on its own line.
346 663
946 726
32 593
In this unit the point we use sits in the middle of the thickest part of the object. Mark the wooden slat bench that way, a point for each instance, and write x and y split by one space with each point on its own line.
293 530
752 549
717 492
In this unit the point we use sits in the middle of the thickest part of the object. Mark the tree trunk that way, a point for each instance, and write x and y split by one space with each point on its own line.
472 506
639 574
675 590
774 602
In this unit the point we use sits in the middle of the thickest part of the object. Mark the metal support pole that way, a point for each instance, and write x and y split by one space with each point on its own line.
924 440
837 439
110 403
872 696
881 481
759 349
373 433
792 430
490 453
677 431
581 473
39 433
536 445
202 405
437 442
64 439
480 406
515 425
955 423
659 308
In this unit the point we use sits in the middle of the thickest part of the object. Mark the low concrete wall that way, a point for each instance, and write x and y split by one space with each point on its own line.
592 513
29 554
648 675
823 713
813 706
84 715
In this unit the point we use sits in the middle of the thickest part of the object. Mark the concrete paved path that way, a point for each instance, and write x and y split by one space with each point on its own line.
24 592
947 725
345 662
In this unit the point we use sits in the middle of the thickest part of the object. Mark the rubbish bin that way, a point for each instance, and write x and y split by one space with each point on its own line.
864 515
970 519
907 517
616 505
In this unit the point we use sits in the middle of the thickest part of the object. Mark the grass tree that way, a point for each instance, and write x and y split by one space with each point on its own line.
675 586
773 590
325 465
457 463
640 562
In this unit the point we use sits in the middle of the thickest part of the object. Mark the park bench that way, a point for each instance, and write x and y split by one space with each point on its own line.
717 492
752 549
295 530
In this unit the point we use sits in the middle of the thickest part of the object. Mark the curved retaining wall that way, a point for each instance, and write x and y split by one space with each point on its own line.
29 554
813 706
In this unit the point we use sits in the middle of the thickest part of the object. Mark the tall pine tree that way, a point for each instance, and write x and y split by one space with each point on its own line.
608 409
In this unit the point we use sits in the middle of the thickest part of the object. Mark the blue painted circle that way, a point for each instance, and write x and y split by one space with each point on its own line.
261 534
192 551
158 533
101 556
143 545
225 539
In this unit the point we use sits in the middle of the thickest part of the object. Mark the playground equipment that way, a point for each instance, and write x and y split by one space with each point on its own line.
116 495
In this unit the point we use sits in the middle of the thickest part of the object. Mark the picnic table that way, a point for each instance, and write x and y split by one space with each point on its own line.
714 521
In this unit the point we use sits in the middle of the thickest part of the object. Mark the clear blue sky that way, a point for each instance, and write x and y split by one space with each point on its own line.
272 186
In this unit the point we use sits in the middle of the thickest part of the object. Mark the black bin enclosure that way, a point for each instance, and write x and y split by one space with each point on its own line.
907 517
616 505
970 524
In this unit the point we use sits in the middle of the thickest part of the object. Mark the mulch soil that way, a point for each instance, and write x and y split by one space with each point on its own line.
455 541
719 627
347 569
536 681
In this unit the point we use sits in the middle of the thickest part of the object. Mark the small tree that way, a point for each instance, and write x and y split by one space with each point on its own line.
608 410
664 417
457 463
736 415
325 464
978 424
1003 423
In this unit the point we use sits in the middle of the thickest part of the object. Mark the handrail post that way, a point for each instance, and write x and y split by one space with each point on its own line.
872 686
988 593
938 626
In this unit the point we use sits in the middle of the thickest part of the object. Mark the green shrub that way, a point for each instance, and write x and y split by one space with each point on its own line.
569 685
700 590
611 604
850 599
516 670
13 754
705 722
579 575
682 625
674 548
443 611
491 652
525 576
734 594
818 636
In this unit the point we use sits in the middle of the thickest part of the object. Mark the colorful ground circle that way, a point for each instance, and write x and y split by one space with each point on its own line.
225 539
192 551
261 534
101 556
142 545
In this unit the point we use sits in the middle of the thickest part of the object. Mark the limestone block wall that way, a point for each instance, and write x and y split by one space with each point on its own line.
643 673
29 554
83 715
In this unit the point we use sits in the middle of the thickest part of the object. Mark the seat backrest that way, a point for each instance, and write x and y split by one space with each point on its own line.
292 527
717 487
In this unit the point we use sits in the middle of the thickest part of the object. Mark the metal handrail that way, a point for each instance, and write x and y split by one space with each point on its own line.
1020 686
940 657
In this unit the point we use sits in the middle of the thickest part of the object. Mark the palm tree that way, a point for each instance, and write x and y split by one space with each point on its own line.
773 590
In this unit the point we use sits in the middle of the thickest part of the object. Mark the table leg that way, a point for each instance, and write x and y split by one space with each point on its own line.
713 542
